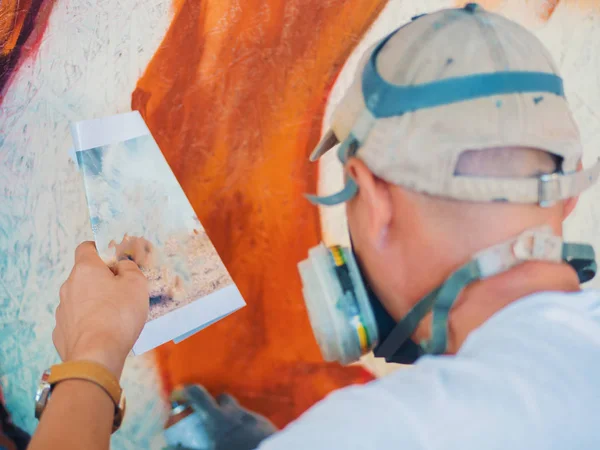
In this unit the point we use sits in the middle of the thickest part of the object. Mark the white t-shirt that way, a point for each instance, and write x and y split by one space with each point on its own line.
529 378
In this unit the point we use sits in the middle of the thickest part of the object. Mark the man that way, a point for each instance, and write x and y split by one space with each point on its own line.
462 162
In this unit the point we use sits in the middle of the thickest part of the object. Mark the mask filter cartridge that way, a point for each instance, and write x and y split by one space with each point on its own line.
338 305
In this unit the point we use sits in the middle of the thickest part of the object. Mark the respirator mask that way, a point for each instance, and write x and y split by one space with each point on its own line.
349 321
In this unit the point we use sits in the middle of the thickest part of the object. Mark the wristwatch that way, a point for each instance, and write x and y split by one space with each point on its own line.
81 370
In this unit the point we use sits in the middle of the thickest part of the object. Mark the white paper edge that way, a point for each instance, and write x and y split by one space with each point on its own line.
202 311
183 337
93 133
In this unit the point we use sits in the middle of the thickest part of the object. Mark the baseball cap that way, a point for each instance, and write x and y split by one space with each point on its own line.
461 79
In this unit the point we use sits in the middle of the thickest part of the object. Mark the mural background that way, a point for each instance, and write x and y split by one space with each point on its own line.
234 92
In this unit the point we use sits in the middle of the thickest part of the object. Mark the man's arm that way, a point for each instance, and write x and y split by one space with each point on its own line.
80 415
99 318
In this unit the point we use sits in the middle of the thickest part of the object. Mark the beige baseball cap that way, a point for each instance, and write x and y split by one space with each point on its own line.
448 82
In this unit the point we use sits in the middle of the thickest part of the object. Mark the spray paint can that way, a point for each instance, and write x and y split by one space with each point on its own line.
185 427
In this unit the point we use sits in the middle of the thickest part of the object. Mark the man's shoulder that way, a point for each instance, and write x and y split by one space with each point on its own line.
525 379
540 331
531 369
567 314
584 301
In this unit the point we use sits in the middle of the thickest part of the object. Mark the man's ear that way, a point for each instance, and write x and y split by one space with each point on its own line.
374 199
569 206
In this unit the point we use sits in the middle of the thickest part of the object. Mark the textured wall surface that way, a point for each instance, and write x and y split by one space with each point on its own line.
87 64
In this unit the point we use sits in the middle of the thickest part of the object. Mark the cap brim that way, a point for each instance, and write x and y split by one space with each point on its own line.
328 141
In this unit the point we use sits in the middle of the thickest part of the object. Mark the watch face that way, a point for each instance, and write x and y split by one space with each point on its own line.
42 395
119 413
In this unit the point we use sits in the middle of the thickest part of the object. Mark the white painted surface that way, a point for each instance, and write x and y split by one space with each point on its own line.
91 56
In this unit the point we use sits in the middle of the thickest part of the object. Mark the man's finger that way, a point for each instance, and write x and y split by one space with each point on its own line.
86 251
127 267
87 256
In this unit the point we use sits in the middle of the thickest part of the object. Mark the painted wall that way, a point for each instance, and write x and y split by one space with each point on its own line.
89 61
84 65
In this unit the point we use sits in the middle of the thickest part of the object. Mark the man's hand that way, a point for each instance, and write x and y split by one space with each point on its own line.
101 311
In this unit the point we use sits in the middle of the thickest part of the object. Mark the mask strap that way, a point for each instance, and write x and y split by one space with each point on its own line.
582 258
407 326
537 244
444 302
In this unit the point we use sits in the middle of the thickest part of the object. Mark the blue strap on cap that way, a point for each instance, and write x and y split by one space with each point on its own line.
346 150
349 191
384 99
398 100
472 7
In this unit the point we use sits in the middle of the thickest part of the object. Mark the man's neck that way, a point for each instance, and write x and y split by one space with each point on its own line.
482 299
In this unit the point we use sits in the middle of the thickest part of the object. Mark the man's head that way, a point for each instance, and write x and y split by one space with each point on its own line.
409 242
455 136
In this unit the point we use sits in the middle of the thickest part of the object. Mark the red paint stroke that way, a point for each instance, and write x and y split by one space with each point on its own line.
22 25
234 97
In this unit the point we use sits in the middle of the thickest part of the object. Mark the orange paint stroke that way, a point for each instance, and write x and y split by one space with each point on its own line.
546 8
12 18
22 24
235 98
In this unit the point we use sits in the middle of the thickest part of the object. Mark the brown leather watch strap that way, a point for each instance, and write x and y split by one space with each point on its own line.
90 371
